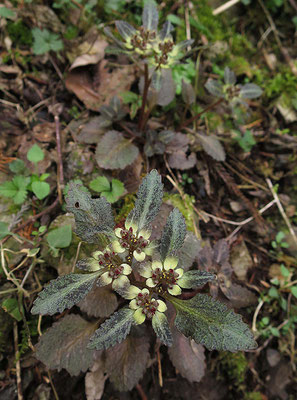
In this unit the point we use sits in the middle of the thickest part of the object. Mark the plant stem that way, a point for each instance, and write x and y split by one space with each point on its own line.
197 116
147 82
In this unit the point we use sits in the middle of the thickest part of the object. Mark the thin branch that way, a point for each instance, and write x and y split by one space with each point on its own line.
17 361
60 160
197 116
281 210
225 7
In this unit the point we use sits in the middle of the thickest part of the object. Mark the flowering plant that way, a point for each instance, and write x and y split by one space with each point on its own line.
146 273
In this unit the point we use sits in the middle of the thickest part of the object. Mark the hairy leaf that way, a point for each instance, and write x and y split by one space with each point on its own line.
188 93
212 146
115 152
150 17
149 200
127 361
250 91
193 279
113 330
63 292
212 324
229 76
92 216
173 235
189 251
64 345
215 88
99 302
161 327
187 357
165 31
125 30
166 93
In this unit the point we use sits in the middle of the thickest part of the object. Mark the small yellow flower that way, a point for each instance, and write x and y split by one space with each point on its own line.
164 274
144 305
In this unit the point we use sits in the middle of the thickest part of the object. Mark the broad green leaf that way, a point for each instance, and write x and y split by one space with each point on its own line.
166 30
161 327
150 17
100 184
187 357
45 41
126 362
92 216
212 146
4 230
114 151
250 91
40 189
173 234
294 291
64 345
15 189
193 279
7 13
114 330
149 200
229 76
35 154
212 324
60 238
17 166
215 88
63 292
117 188
11 306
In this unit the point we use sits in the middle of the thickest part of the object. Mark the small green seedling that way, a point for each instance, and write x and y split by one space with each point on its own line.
112 191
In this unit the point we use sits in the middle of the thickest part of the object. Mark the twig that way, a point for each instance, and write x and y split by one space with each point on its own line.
197 116
256 313
60 160
277 39
159 367
32 219
225 7
56 67
76 256
141 392
17 359
281 210
52 385
187 21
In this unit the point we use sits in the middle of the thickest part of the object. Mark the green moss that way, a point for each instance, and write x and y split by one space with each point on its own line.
128 205
19 33
234 365
185 206
253 396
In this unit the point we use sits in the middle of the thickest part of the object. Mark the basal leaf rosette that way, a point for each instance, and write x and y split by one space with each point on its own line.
133 240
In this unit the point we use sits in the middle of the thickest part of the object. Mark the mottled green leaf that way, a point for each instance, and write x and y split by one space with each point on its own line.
150 17
229 76
250 91
212 324
113 330
64 345
193 279
215 88
161 327
173 235
63 292
60 238
149 200
92 216
115 152
127 361
125 29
